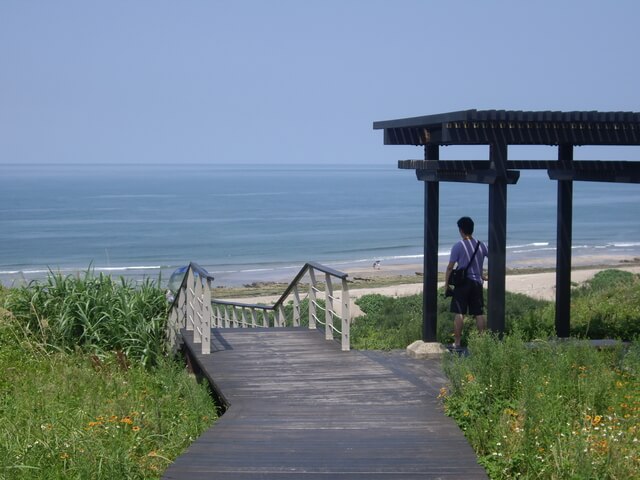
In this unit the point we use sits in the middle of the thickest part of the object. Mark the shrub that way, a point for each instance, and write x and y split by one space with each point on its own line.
388 323
608 306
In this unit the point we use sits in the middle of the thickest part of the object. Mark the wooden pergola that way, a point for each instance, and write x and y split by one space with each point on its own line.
498 129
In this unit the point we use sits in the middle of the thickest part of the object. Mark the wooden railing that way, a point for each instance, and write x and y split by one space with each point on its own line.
194 309
230 314
191 309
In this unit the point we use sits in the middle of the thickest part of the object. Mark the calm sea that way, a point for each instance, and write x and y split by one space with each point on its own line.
255 222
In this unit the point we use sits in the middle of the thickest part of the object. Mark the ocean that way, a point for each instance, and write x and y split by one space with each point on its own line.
246 223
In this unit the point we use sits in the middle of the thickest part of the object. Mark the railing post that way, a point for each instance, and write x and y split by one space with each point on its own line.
328 313
282 319
243 317
182 309
296 307
254 318
196 305
172 330
227 320
206 324
312 299
189 300
265 318
346 316
234 316
218 321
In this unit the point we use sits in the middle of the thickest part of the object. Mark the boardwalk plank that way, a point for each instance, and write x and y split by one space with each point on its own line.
300 407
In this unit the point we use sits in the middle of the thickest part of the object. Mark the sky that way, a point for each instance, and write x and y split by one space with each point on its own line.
284 81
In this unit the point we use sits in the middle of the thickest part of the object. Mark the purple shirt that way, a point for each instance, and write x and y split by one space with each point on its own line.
462 252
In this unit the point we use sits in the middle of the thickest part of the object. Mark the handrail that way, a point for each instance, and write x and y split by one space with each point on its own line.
301 273
223 319
194 309
191 309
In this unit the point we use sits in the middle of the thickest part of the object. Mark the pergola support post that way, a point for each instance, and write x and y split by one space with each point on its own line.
563 240
430 259
497 238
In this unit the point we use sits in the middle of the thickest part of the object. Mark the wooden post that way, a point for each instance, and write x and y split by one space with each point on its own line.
346 316
206 314
312 299
182 308
564 236
497 237
296 306
172 330
189 300
197 304
218 318
328 312
430 258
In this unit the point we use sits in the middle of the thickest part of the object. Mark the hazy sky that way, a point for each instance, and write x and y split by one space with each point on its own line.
241 81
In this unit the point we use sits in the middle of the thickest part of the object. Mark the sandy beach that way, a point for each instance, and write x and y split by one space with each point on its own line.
540 285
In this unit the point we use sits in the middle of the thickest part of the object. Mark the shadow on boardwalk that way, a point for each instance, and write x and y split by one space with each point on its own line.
299 407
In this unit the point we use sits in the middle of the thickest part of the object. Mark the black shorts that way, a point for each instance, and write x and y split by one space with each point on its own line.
468 298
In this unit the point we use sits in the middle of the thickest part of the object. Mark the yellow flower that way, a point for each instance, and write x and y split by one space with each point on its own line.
64 455
126 420
443 392
596 420
136 428
470 377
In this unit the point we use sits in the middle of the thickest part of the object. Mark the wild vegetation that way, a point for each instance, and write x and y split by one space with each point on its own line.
532 407
557 410
87 389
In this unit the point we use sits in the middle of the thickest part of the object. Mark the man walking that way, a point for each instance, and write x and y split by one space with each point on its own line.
467 297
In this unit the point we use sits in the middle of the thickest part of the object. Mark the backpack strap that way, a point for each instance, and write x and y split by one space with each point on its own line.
472 257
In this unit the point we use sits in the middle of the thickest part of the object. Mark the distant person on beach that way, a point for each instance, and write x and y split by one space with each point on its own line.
376 265
467 297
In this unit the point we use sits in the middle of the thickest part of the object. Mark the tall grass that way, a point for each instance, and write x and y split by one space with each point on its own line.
95 314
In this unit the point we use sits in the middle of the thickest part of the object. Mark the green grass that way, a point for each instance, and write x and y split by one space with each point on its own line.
86 389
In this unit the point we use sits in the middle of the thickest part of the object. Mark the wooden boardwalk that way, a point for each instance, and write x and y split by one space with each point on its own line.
299 407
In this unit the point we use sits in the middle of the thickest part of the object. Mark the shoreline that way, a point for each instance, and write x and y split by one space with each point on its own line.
256 281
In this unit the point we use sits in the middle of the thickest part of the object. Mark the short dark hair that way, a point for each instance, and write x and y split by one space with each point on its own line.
466 225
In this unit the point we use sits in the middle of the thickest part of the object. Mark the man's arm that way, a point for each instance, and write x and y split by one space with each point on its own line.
448 273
